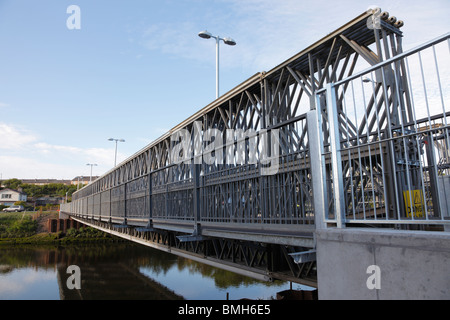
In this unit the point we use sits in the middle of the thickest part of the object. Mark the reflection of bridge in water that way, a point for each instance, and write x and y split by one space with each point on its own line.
111 281
121 271
310 148
107 272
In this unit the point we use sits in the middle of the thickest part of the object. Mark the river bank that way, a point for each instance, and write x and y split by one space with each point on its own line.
25 228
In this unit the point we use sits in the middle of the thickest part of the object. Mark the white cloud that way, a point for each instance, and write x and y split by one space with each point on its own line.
10 287
23 167
14 284
14 138
44 160
101 156
46 148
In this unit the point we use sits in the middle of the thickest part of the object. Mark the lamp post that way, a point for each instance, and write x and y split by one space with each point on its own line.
92 165
207 35
116 140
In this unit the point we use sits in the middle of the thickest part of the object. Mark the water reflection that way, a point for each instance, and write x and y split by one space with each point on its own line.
119 271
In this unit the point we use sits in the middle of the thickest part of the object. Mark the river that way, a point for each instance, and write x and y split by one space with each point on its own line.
120 271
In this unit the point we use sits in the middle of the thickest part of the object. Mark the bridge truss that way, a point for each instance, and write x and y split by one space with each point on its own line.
233 185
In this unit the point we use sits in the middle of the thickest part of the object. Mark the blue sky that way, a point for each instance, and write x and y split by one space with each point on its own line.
137 68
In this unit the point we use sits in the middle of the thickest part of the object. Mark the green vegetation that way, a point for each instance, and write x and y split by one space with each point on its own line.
51 189
23 228
85 234
17 225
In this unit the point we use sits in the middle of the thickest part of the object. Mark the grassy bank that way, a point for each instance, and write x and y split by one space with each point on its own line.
29 228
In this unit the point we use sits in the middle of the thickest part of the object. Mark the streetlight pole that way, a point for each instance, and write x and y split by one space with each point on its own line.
116 140
229 41
217 66
91 164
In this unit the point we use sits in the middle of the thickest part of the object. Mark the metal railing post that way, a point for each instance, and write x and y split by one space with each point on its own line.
336 163
317 169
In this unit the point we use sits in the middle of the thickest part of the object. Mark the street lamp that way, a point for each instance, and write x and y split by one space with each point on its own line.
92 165
207 35
116 140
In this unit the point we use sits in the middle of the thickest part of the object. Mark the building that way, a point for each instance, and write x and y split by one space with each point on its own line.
83 179
41 182
42 201
9 196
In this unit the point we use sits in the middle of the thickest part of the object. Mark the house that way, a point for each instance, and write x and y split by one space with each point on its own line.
42 182
9 196
42 201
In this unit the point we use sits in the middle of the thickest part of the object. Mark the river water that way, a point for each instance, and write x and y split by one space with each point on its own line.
120 271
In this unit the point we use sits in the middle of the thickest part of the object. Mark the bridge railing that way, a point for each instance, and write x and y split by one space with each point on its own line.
385 146
272 189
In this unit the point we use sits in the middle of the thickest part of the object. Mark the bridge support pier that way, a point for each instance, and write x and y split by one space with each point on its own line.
383 264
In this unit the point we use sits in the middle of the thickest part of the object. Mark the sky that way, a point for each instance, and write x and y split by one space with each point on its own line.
135 69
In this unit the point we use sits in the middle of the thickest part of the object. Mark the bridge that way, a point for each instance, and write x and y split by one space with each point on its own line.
348 138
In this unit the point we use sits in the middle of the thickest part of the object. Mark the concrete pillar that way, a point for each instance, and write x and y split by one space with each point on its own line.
383 264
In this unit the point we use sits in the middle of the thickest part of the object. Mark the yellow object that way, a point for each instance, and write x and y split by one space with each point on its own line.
415 199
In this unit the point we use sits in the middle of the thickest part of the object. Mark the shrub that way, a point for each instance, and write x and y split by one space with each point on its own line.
72 232
15 227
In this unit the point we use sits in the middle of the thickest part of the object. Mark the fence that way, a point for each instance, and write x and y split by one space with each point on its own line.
384 141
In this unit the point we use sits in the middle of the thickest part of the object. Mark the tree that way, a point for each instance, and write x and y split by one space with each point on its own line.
12 183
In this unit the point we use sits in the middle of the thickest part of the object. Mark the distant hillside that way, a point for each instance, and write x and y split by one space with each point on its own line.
50 190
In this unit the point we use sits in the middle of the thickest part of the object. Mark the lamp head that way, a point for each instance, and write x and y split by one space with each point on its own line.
229 41
205 35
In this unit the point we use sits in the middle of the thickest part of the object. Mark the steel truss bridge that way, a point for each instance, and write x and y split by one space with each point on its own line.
244 183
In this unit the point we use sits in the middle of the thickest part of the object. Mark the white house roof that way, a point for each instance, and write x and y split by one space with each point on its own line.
11 190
